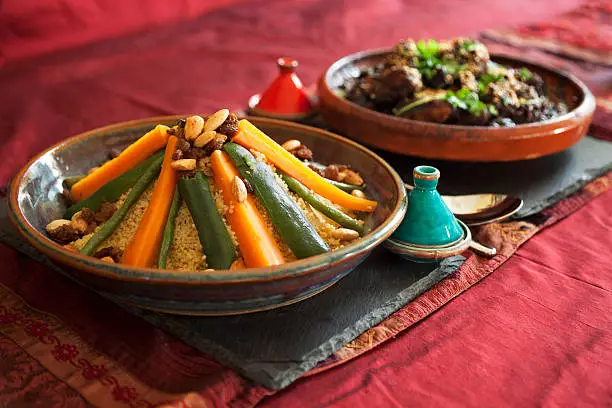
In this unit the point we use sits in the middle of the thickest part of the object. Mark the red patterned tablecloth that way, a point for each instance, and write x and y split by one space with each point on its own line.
537 332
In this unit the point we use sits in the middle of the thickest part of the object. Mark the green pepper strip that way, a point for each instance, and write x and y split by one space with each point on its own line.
168 235
112 190
111 224
214 237
342 186
318 204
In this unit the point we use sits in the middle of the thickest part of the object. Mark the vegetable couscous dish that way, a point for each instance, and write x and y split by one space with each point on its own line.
211 193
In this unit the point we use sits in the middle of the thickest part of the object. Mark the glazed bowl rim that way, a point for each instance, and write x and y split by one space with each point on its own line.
165 277
586 106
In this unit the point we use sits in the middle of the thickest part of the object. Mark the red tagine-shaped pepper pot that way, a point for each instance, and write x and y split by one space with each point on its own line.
286 97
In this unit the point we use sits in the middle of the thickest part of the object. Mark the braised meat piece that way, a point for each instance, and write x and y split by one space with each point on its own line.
405 53
473 55
436 110
387 88
396 83
468 80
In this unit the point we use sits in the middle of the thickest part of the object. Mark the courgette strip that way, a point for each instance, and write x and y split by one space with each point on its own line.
288 219
214 237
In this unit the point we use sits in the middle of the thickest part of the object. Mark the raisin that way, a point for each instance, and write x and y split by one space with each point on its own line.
105 211
177 155
111 252
333 171
230 127
64 234
215 144
317 170
183 145
302 153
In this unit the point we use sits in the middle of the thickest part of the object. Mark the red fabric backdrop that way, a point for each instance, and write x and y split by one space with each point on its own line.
537 332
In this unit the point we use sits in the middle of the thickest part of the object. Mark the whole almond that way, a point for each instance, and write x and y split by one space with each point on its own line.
345 234
79 223
239 190
55 224
193 127
216 119
292 144
184 164
358 193
204 138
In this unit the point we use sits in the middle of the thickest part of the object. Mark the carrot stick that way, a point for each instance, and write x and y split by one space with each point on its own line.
132 156
251 137
256 242
143 249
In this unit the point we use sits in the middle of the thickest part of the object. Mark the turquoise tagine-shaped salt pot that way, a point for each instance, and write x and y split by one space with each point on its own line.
428 221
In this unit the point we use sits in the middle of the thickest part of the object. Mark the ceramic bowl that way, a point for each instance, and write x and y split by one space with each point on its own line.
34 201
454 142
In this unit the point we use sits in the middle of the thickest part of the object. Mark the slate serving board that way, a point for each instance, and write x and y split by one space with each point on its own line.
276 347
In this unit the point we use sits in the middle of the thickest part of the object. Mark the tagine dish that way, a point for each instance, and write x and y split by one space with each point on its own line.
452 82
208 194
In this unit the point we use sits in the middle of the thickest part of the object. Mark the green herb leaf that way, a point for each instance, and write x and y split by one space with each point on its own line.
467 100
486 79
469 46
524 74
427 49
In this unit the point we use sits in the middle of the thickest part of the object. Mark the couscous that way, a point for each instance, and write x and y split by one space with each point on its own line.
212 193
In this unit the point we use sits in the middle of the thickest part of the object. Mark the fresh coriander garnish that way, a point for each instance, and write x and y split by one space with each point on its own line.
486 79
469 46
524 74
463 99
428 50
